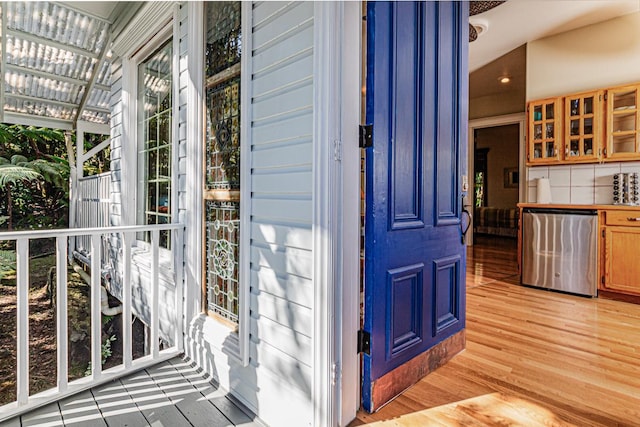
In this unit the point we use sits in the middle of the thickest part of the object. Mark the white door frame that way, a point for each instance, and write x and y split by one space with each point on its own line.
336 224
486 122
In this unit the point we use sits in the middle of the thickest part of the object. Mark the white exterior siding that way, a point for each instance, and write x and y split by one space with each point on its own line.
181 152
277 383
281 248
116 142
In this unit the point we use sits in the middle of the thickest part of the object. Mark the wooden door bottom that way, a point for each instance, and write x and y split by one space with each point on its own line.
391 384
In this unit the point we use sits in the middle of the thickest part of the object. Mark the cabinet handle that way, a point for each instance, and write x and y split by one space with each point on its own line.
630 218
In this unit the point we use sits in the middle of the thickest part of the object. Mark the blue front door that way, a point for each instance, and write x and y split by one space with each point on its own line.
414 254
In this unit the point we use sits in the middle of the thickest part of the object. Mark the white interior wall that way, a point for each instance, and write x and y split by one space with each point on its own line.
593 57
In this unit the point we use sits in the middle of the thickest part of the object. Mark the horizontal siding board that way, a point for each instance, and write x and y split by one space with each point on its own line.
283 183
294 344
284 101
277 131
295 288
281 235
281 404
300 70
283 25
286 313
283 260
294 48
283 156
299 156
296 211
282 365
265 12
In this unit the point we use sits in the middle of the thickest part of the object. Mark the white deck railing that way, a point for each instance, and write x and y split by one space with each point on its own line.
24 402
91 206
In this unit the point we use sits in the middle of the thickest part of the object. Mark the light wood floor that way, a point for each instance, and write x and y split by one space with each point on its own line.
533 358
172 394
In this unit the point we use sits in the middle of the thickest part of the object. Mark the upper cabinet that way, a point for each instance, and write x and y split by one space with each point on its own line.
597 126
544 131
583 127
622 123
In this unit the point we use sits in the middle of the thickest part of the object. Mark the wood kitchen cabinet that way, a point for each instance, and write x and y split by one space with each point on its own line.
623 118
621 240
583 127
544 134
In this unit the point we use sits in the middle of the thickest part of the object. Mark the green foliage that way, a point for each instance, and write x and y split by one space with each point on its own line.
34 177
105 351
7 263
12 174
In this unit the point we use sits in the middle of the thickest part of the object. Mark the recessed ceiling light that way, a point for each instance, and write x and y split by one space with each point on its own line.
504 79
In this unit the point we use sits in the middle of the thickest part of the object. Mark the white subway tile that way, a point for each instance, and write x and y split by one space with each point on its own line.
560 176
561 195
630 167
582 176
538 172
604 174
604 195
581 195
532 194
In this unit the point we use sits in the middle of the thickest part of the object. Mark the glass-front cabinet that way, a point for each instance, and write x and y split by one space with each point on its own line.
544 131
623 117
582 127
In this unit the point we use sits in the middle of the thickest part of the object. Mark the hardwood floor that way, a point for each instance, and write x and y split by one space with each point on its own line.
533 358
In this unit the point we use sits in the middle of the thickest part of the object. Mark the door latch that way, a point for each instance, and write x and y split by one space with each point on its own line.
366 136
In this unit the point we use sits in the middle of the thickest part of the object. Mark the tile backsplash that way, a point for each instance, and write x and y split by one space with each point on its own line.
578 184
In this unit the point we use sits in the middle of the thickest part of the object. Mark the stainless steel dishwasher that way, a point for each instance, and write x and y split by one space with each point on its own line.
559 249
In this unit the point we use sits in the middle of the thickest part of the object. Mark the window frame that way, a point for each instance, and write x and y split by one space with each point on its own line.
145 51
232 341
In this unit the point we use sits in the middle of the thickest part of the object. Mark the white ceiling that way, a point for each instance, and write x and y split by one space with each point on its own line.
517 22
101 9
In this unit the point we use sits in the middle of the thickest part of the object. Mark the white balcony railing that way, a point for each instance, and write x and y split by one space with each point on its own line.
127 253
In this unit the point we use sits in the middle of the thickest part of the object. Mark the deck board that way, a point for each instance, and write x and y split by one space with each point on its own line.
215 395
173 393
48 415
81 410
152 402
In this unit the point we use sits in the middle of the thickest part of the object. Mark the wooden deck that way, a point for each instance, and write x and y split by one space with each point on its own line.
173 393
533 358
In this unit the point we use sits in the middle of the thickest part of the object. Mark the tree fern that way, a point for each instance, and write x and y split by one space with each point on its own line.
10 174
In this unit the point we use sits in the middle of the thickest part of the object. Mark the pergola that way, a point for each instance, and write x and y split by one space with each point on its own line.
56 62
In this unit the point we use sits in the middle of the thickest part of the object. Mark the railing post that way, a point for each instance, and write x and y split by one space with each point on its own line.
155 273
22 284
96 315
178 251
127 238
61 309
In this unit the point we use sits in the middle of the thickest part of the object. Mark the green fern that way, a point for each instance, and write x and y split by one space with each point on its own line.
11 174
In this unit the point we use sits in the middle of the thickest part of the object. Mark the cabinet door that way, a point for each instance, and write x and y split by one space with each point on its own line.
622 269
622 123
582 127
544 131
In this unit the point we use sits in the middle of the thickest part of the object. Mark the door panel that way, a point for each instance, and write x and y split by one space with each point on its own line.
414 256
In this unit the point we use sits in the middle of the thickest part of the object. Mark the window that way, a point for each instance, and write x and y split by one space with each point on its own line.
154 123
222 160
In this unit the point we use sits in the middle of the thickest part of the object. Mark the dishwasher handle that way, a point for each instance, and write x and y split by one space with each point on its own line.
560 211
